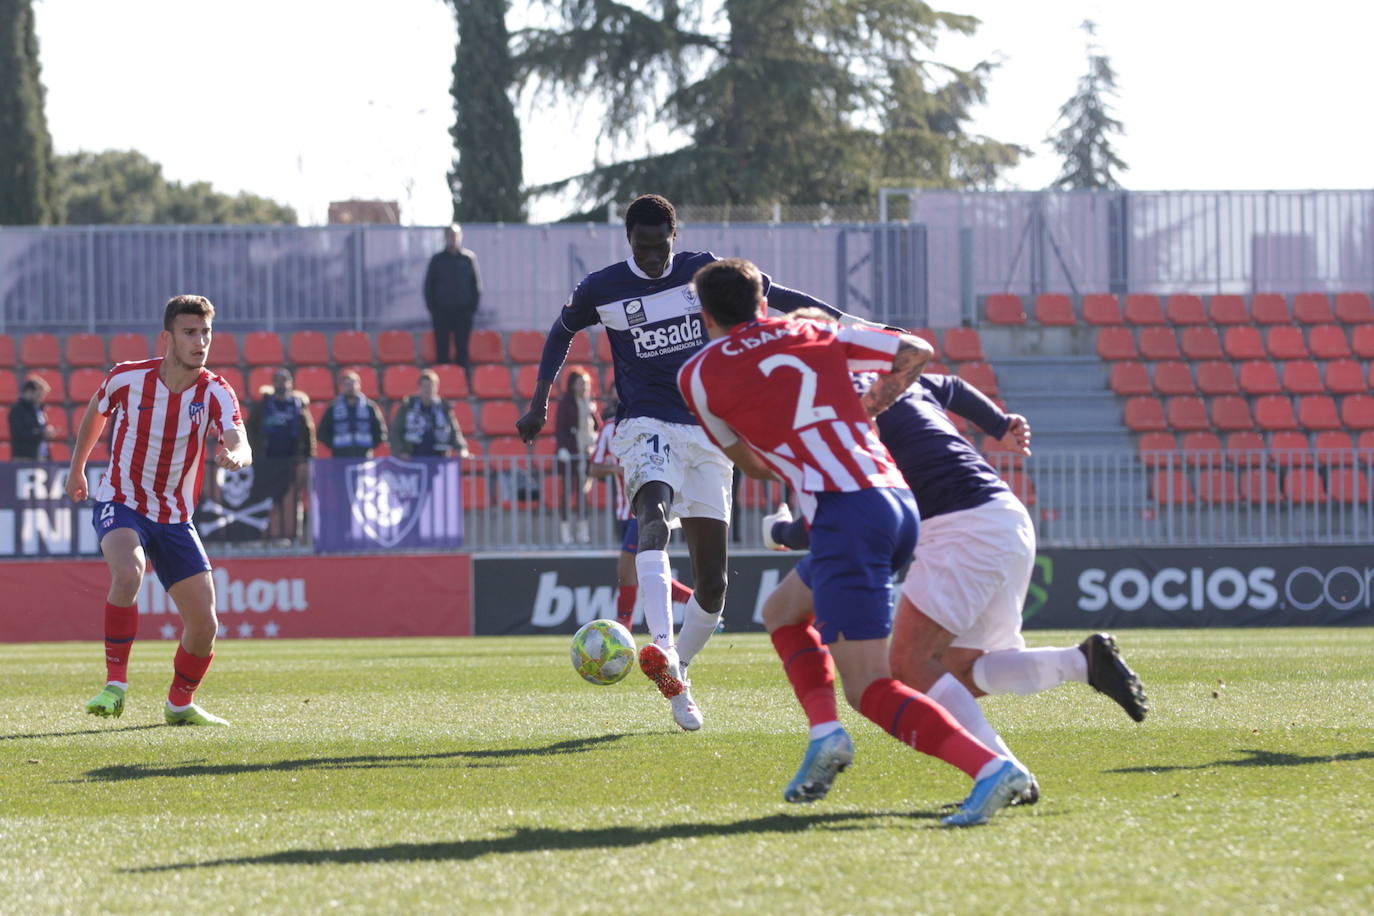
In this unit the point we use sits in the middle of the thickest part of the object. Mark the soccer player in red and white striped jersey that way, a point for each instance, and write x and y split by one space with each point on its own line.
775 395
164 410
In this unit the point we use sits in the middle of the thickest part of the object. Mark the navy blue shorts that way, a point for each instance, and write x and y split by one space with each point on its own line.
174 550
629 535
858 540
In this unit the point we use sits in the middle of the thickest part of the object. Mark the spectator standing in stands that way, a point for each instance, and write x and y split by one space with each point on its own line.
424 425
453 290
30 431
575 429
352 426
281 434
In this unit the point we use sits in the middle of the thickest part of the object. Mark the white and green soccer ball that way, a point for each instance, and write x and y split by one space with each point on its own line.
603 652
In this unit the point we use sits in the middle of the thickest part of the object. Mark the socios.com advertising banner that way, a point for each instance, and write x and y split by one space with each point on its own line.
1198 587
367 504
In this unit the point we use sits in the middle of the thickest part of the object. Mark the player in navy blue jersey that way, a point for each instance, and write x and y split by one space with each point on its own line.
652 320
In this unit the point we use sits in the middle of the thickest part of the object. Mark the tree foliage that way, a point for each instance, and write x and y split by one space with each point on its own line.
487 174
119 187
1085 138
790 101
28 189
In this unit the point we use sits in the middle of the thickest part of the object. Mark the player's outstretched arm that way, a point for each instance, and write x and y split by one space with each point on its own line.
911 357
92 425
233 452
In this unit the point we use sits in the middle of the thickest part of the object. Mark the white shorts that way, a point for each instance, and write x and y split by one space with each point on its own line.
971 572
680 455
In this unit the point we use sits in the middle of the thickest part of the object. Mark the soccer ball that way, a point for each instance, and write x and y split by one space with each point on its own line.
603 652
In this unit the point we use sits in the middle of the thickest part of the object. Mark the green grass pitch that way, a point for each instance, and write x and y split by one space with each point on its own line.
484 776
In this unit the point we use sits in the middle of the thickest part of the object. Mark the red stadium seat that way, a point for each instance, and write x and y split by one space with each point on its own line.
525 346
1227 309
545 446
59 420
1145 414
1354 308
368 383
1143 309
1270 308
5 448
400 381
1349 485
1304 486
1362 341
1130 377
396 347
1259 485
486 346
1157 449
1243 342
963 345
1116 343
507 446
1174 378
1259 376
1216 486
1328 341
1313 308
351 347
581 349
1202 449
467 420
498 418
525 379
40 351
427 351
1005 308
453 381
259 378
492 381
929 337
316 381
8 354
1245 448
82 384
308 348
129 347
1365 446
1301 376
1187 413
980 376
1290 449
56 381
1275 412
1185 309
1101 309
1334 447
1201 343
234 379
59 451
1217 377
1345 376
1357 411
1285 343
1172 488
224 349
4 422
85 350
1159 343
1055 309
1231 413
603 348
263 348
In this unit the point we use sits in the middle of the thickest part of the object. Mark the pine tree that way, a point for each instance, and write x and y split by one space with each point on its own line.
28 184
1085 141
487 174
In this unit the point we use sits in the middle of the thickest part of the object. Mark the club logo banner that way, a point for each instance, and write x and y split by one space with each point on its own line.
366 504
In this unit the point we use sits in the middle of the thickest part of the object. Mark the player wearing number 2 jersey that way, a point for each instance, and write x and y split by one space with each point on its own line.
775 395
164 409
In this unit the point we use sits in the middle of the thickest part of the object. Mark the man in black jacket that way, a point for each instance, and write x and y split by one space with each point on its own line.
453 289
29 428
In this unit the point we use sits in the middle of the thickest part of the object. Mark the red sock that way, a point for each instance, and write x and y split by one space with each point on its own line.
187 670
625 605
680 592
915 719
810 669
121 626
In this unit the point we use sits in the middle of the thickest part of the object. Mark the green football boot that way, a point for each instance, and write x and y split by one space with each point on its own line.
192 715
108 702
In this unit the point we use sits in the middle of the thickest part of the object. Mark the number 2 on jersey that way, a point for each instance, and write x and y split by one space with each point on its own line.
807 411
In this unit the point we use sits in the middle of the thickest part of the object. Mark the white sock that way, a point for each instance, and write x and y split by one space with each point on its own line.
122 685
1024 671
823 729
655 594
697 627
174 708
992 766
962 705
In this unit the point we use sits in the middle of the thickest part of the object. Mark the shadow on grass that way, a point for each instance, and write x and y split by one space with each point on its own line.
1257 758
540 839
120 773
83 731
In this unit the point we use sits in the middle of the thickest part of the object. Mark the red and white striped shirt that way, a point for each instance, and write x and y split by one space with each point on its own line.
158 453
602 454
783 385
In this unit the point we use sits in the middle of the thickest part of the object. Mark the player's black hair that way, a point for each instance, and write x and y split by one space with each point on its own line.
187 305
651 210
730 290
